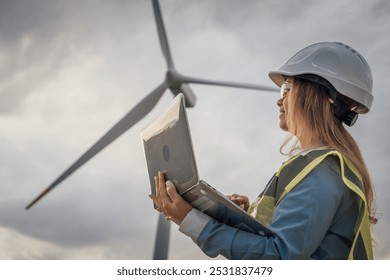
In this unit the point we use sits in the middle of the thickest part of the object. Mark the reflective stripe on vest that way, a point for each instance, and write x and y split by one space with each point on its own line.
290 175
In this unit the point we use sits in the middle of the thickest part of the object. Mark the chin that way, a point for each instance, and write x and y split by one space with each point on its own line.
283 126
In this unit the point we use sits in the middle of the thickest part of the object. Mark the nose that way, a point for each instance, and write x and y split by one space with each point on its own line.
279 102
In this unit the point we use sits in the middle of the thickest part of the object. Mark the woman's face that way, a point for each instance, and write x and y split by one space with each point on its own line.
282 102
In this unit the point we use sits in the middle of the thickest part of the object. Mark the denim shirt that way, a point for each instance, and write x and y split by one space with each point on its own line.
314 221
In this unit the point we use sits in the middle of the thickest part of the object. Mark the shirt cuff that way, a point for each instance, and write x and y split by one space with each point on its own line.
194 223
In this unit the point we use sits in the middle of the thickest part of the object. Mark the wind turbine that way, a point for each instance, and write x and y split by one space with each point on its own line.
177 83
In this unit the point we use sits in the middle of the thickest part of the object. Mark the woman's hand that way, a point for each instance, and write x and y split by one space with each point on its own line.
240 200
168 201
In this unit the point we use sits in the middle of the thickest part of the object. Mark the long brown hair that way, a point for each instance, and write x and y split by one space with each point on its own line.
311 120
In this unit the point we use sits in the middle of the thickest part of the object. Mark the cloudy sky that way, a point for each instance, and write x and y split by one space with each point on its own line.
71 69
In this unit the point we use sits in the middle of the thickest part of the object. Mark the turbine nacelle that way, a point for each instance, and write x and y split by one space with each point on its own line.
176 83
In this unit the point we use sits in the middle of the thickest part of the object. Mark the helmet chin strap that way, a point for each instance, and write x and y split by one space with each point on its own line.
341 110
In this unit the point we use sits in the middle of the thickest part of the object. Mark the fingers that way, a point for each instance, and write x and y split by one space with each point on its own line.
156 202
162 190
156 183
171 190
240 200
159 188
168 201
155 197
161 199
235 198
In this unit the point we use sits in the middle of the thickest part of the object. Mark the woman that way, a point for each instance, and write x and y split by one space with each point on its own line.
319 203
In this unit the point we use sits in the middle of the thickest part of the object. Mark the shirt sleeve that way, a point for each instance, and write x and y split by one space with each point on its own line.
194 223
300 222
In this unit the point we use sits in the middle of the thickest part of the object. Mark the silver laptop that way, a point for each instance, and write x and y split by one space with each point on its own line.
168 147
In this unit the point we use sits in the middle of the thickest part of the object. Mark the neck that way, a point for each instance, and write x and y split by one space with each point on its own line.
307 146
309 142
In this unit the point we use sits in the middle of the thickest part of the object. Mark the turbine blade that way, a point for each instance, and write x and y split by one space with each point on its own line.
162 34
131 118
161 244
189 95
185 79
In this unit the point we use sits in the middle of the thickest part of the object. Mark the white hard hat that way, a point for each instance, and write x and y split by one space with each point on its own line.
343 67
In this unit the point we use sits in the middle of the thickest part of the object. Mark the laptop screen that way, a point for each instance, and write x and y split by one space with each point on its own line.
168 147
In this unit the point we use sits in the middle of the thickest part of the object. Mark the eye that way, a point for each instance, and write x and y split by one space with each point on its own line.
284 89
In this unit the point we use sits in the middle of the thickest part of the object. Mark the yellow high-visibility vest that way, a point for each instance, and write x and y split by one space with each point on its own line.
290 175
